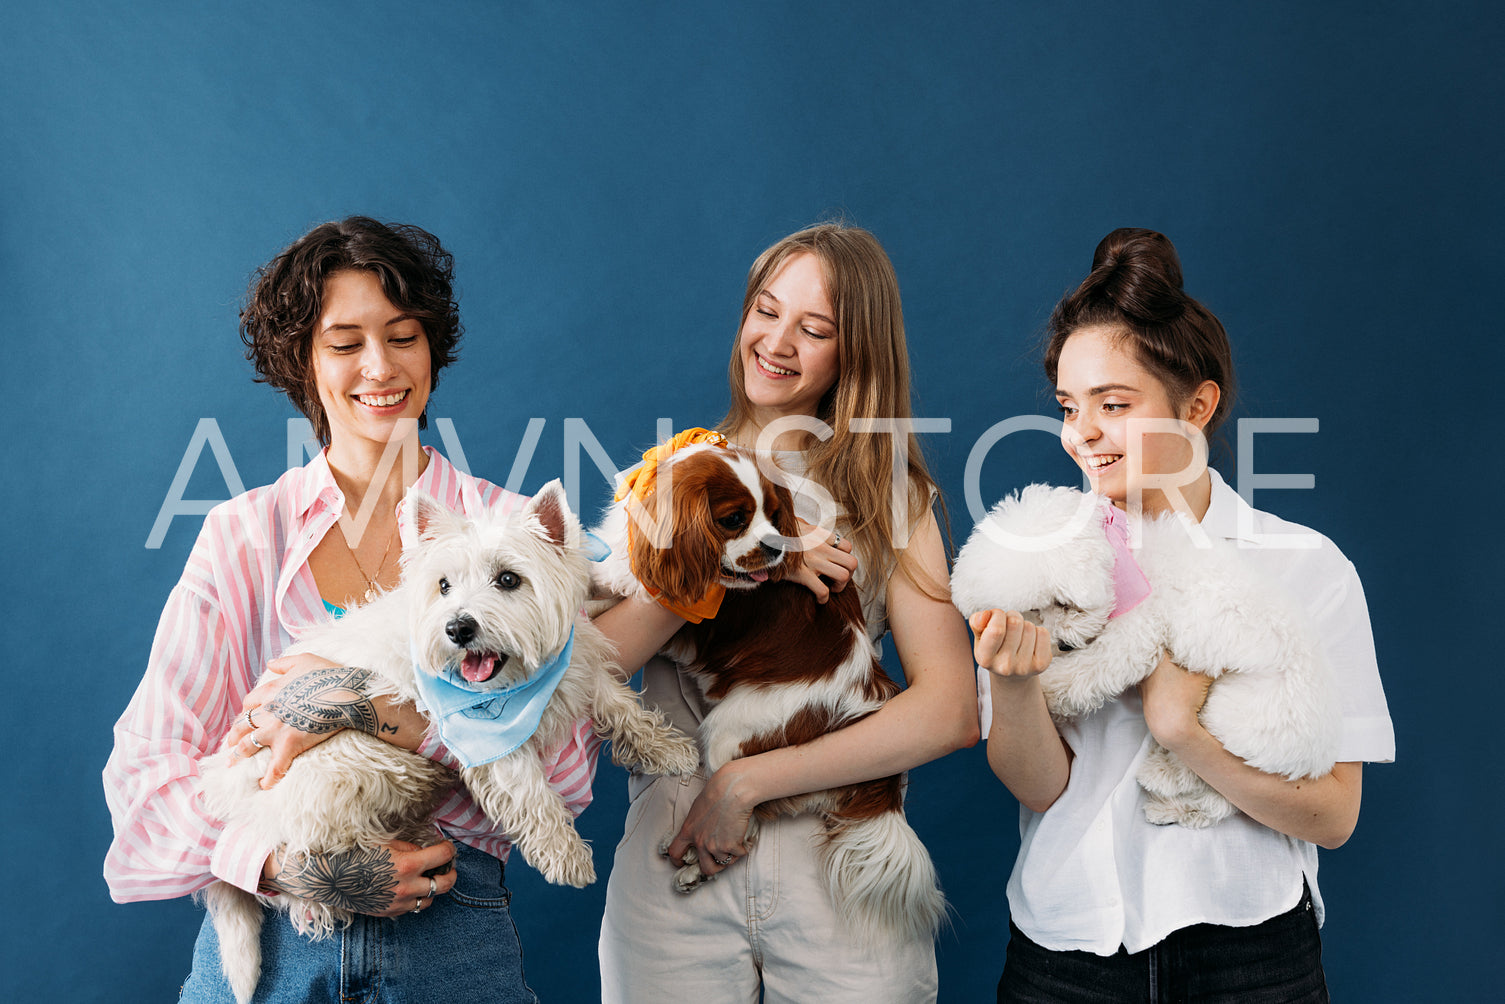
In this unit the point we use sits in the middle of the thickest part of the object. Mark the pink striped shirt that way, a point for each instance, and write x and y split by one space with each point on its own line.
246 595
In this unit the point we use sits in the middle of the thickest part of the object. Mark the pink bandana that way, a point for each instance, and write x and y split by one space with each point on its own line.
1130 587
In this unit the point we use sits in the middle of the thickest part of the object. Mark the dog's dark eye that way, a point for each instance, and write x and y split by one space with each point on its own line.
735 521
443 587
508 581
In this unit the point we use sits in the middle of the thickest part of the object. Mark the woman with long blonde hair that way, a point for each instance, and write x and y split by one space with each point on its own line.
820 380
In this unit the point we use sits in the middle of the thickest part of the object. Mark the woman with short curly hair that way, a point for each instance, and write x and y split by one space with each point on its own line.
353 322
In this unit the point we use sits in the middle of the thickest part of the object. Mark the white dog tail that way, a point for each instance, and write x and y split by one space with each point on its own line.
237 917
882 880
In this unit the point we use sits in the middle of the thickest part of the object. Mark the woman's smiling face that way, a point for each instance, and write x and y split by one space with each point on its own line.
788 342
371 361
1106 395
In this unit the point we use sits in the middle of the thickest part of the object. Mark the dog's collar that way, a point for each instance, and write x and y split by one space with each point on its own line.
480 726
643 479
1130 586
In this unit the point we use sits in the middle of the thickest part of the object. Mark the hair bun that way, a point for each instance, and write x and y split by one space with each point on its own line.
1140 272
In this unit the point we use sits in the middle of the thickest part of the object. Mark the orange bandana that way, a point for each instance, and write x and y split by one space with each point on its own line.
641 483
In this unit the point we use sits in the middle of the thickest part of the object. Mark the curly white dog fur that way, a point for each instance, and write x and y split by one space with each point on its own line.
1272 702
354 791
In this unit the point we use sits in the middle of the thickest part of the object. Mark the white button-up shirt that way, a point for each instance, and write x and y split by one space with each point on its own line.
1093 874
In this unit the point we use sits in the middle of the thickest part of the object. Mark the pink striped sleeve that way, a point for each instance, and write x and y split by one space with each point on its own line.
572 768
165 844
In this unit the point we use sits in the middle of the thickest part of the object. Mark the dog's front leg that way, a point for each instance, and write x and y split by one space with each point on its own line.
640 736
514 792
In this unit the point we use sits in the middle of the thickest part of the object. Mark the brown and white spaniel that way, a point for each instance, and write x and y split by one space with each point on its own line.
776 667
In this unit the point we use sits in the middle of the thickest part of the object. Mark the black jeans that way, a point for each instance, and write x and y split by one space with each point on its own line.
1276 962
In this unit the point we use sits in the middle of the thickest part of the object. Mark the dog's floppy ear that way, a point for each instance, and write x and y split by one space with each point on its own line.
786 523
426 518
689 566
552 508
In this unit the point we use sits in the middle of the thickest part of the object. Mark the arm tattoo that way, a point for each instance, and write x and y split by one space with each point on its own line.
362 881
327 700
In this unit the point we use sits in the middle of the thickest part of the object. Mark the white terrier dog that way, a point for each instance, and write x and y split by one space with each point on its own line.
493 604
1272 702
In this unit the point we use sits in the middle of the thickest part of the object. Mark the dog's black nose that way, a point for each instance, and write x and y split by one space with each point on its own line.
770 551
461 629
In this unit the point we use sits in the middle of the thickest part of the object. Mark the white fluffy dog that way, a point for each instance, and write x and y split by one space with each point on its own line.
495 599
1272 702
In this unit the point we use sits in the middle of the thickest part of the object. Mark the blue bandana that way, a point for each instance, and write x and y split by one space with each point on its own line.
480 726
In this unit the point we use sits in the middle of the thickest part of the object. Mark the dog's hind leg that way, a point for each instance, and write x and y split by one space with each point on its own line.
514 793
237 919
1174 794
688 877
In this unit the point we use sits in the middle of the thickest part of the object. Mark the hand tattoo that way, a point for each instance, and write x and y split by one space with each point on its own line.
362 881
327 700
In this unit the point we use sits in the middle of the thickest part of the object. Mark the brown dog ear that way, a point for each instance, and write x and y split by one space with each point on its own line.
787 523
683 571
696 561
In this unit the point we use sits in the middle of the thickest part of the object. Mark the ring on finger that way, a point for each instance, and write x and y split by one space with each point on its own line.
256 742
418 906
250 724
433 887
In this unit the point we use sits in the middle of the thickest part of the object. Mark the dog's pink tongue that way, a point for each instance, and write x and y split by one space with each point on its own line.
758 576
477 668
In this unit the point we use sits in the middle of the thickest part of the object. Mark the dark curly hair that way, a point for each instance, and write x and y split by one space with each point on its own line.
1135 285
286 299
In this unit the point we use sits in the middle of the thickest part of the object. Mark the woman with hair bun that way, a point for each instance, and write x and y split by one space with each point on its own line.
1104 905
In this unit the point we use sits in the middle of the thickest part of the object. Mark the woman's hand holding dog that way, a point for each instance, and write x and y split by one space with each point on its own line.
1173 698
716 825
303 700
829 562
385 881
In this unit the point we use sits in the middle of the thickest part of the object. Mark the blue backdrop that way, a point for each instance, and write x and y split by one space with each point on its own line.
604 175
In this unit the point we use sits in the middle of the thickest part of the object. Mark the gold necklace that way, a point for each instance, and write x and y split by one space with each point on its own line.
371 587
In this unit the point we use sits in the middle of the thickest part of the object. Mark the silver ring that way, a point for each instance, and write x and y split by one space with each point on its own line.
250 724
835 537
433 887
723 862
256 742
418 906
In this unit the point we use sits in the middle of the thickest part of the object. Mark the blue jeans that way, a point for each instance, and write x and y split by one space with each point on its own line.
1275 962
463 948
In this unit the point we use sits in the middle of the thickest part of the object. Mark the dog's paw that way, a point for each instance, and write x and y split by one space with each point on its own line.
689 878
1161 811
563 862
675 754
1193 809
